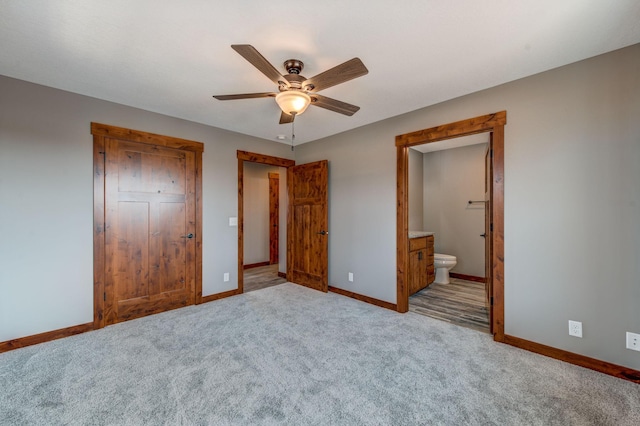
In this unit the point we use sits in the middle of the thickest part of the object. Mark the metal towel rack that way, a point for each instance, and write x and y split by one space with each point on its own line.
474 202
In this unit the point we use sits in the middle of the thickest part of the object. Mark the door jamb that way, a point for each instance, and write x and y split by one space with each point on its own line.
274 215
253 158
487 123
100 132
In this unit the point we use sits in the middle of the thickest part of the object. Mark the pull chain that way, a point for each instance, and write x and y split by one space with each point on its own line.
293 133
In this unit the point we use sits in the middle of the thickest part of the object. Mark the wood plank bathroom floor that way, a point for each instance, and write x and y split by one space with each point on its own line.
261 277
460 302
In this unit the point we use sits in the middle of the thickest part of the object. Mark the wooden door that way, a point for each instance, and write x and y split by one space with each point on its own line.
274 217
150 224
488 232
307 225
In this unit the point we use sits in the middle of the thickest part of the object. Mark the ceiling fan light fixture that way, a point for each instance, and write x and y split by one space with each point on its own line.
293 101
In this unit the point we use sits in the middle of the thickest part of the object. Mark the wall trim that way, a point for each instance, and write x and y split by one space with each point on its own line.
575 359
363 298
222 295
282 275
256 265
468 277
47 336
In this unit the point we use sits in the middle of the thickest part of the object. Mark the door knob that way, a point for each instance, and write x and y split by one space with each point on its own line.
323 232
189 236
483 235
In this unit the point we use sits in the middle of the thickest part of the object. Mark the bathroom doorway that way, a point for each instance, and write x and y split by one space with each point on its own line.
494 125
447 183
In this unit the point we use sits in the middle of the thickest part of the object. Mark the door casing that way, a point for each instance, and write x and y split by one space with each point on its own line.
493 123
253 158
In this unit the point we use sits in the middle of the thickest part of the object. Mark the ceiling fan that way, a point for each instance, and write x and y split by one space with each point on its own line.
296 92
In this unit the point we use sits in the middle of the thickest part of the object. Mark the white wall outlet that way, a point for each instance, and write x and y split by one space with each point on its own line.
233 221
633 341
575 328
225 277
351 276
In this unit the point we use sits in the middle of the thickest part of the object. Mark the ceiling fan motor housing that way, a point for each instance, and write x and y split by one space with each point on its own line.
293 66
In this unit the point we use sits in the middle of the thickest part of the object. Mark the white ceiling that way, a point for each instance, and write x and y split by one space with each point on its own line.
171 56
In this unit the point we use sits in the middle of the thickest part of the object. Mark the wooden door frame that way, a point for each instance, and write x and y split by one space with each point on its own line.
100 132
253 158
274 218
493 123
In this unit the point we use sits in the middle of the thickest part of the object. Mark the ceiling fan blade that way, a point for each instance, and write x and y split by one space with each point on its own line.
257 60
244 96
333 105
349 70
286 118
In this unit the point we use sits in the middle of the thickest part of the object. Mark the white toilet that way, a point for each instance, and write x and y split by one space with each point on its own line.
443 263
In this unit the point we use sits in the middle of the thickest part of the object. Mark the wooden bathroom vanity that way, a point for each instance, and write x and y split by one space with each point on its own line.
421 269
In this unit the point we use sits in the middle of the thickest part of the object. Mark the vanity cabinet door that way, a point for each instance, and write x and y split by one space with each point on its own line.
431 272
418 257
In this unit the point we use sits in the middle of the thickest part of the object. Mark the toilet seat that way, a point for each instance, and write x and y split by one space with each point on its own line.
443 256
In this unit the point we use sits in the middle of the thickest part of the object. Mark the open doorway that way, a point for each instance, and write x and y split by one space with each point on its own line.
264 225
494 125
447 183
258 176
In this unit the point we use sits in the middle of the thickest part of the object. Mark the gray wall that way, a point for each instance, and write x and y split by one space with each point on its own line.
46 199
452 177
572 201
416 184
256 213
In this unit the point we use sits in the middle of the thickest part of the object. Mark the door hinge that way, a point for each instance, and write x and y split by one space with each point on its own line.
491 300
491 153
491 227
104 297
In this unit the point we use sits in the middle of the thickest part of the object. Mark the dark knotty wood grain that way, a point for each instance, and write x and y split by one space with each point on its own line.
482 124
402 231
417 264
218 296
467 277
164 278
487 123
255 265
44 337
307 259
98 230
198 226
576 359
241 218
363 298
264 159
274 217
145 137
431 270
497 237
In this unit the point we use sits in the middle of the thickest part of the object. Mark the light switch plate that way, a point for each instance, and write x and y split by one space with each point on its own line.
233 221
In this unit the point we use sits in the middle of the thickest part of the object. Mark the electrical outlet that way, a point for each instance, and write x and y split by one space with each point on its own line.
225 277
351 276
633 341
575 328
